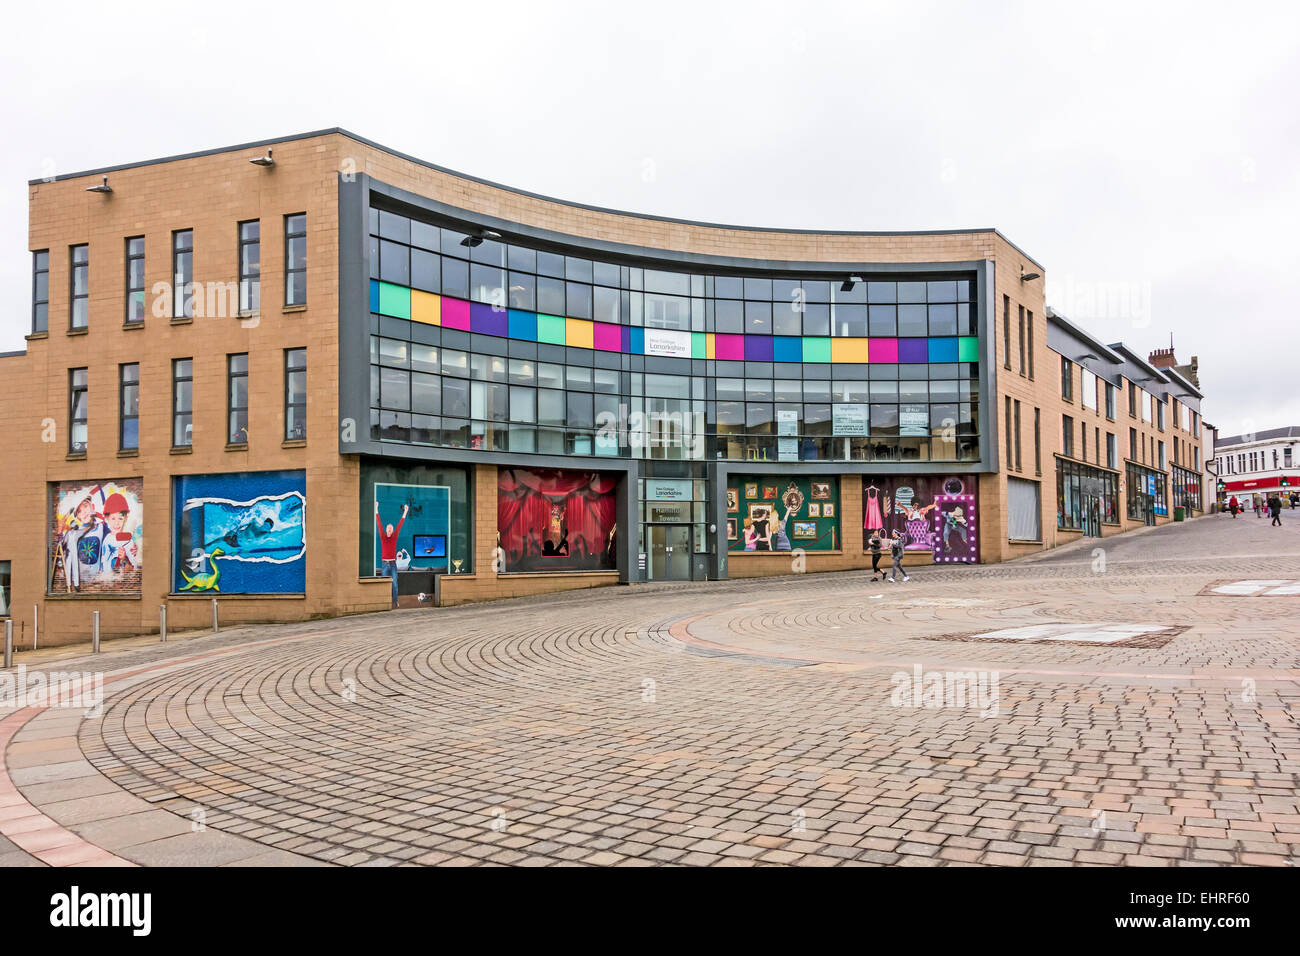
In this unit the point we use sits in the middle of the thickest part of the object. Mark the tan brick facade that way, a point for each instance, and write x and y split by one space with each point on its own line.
211 194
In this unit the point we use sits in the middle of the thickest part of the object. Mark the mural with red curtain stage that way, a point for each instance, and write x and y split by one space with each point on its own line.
557 520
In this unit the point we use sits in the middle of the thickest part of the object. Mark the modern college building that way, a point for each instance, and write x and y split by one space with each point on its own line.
246 364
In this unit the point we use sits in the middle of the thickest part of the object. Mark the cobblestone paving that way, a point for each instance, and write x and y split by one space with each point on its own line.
735 723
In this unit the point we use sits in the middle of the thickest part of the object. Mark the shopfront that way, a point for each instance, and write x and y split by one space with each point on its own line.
672 534
1086 497
1146 494
935 513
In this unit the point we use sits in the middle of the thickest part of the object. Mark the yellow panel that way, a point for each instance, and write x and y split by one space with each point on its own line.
708 346
848 350
426 307
579 333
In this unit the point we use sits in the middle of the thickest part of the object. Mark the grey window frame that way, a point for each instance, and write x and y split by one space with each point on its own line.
131 290
289 372
122 416
75 390
289 273
178 379
250 280
74 268
43 324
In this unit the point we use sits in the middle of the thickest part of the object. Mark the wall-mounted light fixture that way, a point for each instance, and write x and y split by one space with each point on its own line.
477 239
1029 276
265 162
847 284
103 187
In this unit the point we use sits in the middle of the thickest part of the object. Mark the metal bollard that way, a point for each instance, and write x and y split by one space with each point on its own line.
36 624
9 644
215 626
94 633
162 622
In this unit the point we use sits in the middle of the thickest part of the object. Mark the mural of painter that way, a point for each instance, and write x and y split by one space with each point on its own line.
240 533
935 513
97 544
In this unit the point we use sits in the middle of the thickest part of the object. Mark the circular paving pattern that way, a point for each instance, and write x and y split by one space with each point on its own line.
762 721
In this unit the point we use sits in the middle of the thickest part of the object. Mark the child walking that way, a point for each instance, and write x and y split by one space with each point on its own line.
896 554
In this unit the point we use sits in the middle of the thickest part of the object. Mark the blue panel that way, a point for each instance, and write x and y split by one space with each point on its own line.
943 350
374 295
638 341
523 325
787 348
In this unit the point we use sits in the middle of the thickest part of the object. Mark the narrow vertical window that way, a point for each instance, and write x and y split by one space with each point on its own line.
135 279
295 259
1010 449
295 394
1038 442
128 431
1021 310
1006 331
182 402
250 266
77 410
1018 465
1067 379
237 399
1030 326
79 287
183 274
41 291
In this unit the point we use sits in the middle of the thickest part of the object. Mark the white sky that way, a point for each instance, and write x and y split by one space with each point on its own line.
1147 148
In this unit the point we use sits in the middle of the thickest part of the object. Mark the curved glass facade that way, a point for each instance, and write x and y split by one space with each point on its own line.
477 343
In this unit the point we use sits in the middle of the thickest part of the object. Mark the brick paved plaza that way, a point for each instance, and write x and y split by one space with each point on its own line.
1136 712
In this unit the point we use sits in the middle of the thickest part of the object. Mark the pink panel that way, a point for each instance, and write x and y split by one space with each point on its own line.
455 314
730 348
608 338
882 350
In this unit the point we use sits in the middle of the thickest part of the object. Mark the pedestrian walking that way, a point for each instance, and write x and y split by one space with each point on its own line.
1275 509
877 534
896 555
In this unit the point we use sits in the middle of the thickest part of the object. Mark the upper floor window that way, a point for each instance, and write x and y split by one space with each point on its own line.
1067 378
1110 400
1021 310
1067 436
182 402
77 410
1006 331
1112 452
79 287
128 435
135 279
1132 400
250 266
1286 456
183 274
1030 326
1160 413
41 291
237 407
295 394
295 259
1087 389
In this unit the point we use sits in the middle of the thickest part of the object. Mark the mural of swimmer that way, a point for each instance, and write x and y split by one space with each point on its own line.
241 533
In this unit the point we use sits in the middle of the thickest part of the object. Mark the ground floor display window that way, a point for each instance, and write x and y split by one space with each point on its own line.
781 513
557 520
935 513
1187 488
1146 493
240 533
4 589
427 509
1080 488
96 543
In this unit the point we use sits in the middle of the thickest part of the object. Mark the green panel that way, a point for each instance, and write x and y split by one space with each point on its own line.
394 300
816 349
968 349
827 530
699 348
550 329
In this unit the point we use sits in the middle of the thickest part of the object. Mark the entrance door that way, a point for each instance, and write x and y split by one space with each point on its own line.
670 552
1092 516
1148 504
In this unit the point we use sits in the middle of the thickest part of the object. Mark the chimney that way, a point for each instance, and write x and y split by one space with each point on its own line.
1162 358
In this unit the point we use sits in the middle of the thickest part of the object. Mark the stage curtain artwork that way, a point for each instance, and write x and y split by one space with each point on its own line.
557 520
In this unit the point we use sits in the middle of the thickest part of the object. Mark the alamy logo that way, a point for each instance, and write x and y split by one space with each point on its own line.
944 689
76 689
74 909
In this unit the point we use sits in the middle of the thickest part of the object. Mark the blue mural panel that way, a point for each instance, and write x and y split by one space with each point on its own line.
241 533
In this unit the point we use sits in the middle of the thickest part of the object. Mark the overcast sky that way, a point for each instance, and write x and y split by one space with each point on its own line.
1145 154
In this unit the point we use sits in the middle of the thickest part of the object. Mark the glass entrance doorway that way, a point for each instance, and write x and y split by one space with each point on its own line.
670 552
1091 516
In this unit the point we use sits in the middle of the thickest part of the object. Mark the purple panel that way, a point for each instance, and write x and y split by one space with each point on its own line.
882 350
488 321
758 348
909 350
730 348
455 314
626 337
608 338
